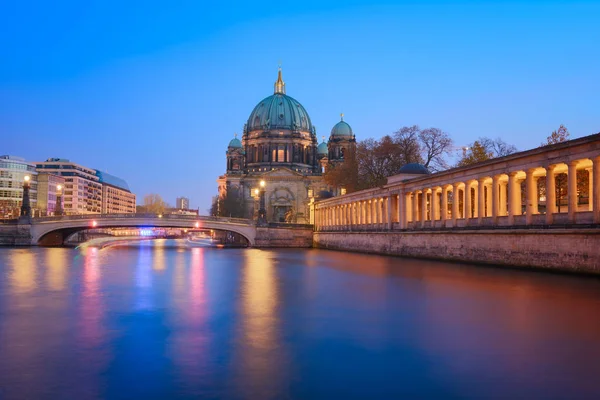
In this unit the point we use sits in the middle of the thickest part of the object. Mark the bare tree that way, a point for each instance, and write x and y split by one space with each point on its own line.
498 147
435 144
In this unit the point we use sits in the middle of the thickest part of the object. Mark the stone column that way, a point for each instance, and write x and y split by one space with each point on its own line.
444 207
405 211
495 199
488 200
532 198
435 206
454 203
423 207
596 189
388 212
476 202
502 209
550 194
415 205
481 204
467 203
590 191
572 190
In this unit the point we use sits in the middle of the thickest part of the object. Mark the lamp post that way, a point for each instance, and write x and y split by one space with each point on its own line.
262 212
25 205
58 210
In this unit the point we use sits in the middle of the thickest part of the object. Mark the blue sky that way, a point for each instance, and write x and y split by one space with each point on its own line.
153 91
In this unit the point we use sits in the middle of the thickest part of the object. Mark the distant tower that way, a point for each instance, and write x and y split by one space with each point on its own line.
182 203
341 140
322 155
235 156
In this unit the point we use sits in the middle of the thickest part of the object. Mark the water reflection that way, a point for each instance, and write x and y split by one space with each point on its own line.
151 322
262 358
24 271
57 261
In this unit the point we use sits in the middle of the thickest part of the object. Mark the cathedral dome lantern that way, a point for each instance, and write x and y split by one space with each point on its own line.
235 143
279 112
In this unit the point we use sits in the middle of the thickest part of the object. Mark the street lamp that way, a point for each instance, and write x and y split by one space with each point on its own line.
262 212
25 205
58 210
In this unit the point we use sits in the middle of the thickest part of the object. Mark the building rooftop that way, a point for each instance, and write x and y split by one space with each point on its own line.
112 180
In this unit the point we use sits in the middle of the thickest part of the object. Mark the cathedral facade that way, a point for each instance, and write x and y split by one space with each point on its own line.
279 147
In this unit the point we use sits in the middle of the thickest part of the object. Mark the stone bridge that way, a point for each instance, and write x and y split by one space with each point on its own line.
53 231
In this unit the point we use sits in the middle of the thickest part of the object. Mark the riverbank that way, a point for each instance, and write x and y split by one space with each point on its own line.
567 250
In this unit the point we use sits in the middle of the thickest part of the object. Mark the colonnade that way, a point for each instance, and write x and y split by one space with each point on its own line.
554 193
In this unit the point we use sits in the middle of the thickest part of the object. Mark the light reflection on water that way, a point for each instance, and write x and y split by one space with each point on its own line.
156 320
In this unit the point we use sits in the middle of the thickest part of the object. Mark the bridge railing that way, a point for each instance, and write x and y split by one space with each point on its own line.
192 218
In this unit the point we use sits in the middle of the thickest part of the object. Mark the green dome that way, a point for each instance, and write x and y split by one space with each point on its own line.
279 111
342 129
235 143
322 149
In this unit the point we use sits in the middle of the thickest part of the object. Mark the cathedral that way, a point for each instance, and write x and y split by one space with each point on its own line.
279 147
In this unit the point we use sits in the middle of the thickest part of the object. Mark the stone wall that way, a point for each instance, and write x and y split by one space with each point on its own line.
283 237
15 235
574 250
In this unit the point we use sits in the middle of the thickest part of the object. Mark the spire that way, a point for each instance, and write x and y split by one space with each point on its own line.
342 116
279 85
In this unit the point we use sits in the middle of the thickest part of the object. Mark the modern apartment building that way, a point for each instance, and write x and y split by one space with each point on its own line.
47 192
182 203
12 175
82 192
116 196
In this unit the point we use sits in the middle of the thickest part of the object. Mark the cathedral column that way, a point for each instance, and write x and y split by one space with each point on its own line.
550 194
572 190
532 198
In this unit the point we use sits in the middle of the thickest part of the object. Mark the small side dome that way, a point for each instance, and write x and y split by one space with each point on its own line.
322 149
413 168
342 129
235 143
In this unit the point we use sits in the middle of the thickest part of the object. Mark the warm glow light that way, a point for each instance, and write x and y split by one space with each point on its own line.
27 178
197 224
159 215
256 192
262 184
59 187
94 223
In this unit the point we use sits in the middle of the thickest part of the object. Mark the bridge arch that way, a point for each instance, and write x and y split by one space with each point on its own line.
54 230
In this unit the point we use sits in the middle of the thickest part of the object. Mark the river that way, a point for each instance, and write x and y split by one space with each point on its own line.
157 320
